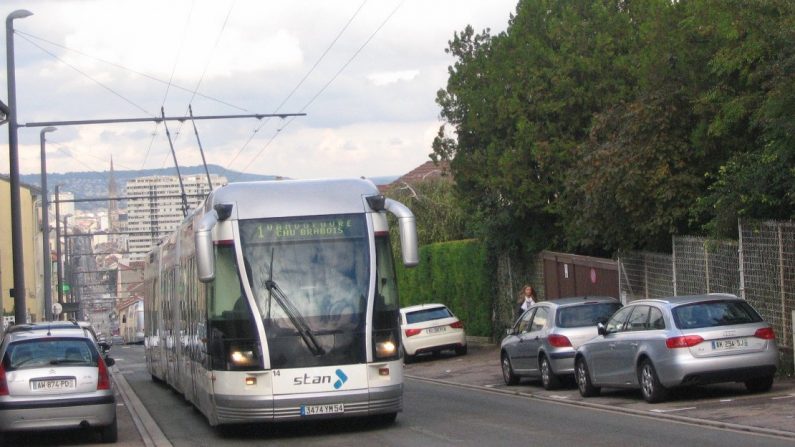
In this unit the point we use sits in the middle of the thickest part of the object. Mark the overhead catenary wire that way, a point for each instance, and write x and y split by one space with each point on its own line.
323 89
300 83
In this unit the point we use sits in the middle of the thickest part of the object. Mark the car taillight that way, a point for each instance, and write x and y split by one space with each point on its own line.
3 382
559 341
685 341
103 382
765 333
457 325
412 332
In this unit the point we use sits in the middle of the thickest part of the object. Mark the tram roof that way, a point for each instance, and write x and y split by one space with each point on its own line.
274 198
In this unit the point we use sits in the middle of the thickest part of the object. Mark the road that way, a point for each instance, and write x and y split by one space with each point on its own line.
434 415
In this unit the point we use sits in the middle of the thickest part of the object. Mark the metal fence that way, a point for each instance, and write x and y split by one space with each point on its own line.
760 267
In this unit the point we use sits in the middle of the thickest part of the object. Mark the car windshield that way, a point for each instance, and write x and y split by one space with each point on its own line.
41 352
436 313
714 313
587 314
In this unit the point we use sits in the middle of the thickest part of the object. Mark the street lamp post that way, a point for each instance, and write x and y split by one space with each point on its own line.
45 230
58 265
20 314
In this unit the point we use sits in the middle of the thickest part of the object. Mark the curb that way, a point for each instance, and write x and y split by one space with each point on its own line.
611 409
146 425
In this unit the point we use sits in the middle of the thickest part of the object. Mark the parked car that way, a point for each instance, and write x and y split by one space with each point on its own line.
430 328
542 342
658 344
55 378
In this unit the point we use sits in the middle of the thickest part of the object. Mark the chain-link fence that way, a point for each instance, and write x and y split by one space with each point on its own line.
767 251
760 268
645 275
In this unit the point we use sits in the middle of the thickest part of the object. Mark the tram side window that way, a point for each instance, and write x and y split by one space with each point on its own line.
232 339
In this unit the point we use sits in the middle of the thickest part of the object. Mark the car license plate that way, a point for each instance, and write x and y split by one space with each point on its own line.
311 410
434 330
732 343
53 384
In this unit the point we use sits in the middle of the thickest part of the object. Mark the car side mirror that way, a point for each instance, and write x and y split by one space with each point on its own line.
109 361
510 331
601 329
104 346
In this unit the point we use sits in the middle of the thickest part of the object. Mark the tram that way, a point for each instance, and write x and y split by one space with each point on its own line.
277 301
131 322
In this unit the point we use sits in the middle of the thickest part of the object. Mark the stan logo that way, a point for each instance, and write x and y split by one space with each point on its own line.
342 379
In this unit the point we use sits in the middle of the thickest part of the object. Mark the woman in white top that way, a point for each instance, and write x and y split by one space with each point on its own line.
526 299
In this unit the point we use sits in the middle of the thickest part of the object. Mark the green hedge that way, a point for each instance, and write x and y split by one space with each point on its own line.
455 274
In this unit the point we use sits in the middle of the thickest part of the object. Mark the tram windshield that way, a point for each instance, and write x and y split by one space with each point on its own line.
309 276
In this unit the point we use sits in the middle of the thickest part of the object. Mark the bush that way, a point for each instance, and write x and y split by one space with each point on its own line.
455 274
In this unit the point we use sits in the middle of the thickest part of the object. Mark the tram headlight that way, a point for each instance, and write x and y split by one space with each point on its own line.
385 349
242 357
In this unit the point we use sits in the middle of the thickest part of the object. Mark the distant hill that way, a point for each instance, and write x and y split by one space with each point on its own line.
93 184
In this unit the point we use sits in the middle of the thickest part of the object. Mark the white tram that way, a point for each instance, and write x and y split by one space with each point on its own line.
277 301
131 321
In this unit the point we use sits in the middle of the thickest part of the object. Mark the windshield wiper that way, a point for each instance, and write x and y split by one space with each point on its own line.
293 313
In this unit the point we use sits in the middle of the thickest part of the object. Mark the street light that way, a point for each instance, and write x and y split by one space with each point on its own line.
45 230
20 315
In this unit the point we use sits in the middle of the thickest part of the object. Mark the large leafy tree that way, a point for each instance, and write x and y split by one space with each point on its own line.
520 102
595 126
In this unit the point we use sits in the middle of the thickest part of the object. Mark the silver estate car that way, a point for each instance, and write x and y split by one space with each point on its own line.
658 344
55 379
543 341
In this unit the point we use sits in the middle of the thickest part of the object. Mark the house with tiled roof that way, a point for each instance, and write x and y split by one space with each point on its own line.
430 170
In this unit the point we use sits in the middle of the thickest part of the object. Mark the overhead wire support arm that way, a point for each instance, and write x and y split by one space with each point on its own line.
156 119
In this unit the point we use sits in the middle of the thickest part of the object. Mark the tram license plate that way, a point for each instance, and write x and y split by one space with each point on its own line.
56 384
436 330
730 343
311 410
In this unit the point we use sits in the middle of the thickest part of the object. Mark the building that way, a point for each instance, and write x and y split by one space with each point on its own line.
31 246
155 207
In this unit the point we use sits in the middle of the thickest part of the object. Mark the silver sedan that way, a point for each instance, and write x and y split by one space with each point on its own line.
658 344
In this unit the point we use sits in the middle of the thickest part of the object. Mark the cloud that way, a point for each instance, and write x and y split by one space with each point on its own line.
390 77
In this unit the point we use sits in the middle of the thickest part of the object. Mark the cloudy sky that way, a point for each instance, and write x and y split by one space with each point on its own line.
365 73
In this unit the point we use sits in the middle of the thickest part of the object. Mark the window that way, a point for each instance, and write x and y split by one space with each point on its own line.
656 320
616 322
714 313
523 324
540 319
436 313
584 315
639 320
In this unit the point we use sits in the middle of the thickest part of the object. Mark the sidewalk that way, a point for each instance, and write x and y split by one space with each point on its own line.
721 405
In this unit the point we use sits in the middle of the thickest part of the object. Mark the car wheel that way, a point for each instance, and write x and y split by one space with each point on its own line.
549 379
651 388
583 378
760 384
461 350
110 433
507 371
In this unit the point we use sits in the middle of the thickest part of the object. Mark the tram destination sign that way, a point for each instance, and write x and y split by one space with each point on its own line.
303 228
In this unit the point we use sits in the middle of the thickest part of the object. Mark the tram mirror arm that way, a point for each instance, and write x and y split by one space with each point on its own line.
205 258
408 231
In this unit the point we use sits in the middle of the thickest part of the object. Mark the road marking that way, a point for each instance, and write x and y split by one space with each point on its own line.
727 400
557 396
671 410
783 397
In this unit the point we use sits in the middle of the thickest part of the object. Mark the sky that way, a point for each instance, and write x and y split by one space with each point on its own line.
365 73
